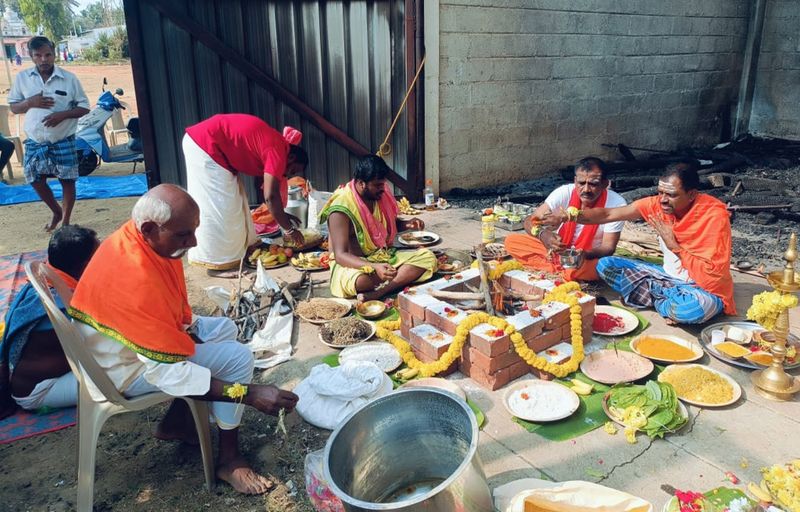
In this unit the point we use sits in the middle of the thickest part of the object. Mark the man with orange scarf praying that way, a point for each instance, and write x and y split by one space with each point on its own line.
540 248
218 152
132 308
694 284
362 224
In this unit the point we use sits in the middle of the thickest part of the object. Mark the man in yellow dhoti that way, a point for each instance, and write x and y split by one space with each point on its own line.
362 223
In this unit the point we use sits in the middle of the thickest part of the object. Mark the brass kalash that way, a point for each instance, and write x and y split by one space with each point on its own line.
774 383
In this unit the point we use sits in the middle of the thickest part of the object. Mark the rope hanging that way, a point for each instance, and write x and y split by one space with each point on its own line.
385 149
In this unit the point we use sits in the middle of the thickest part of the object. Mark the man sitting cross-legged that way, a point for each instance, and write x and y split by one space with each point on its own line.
362 223
540 248
35 372
694 231
132 306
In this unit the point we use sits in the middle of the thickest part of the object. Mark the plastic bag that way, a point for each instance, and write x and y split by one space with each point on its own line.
328 395
316 201
319 492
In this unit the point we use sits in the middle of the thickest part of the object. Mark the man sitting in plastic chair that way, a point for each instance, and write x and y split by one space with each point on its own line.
133 309
34 372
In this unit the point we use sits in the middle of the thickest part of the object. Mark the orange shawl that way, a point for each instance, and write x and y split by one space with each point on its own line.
133 295
704 235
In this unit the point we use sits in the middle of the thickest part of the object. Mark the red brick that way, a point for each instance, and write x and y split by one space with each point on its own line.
518 369
491 381
416 303
587 303
528 326
426 359
420 338
555 314
407 319
492 364
404 330
544 341
438 316
487 345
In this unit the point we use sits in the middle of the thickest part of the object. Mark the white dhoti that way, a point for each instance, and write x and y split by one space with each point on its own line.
226 227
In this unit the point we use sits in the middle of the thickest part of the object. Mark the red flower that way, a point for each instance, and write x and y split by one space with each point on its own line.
690 501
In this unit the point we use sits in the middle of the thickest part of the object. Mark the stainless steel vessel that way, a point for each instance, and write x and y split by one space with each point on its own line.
412 450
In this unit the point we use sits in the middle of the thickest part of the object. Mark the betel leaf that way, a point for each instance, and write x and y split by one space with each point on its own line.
653 390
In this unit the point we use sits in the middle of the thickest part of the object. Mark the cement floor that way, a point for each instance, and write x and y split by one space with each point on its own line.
756 430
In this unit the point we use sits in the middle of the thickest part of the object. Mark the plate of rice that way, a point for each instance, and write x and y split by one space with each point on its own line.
701 385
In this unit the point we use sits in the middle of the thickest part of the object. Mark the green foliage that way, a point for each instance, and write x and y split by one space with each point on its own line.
53 16
94 15
112 46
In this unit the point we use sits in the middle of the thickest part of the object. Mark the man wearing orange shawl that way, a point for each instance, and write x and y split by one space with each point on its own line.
694 230
539 249
34 372
133 310
362 223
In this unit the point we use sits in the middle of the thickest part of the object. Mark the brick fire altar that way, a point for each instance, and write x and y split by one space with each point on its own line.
429 324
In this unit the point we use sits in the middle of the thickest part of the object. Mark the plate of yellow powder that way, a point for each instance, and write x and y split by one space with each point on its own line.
666 348
701 385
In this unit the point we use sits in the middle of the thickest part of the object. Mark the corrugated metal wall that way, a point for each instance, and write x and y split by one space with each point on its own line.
343 58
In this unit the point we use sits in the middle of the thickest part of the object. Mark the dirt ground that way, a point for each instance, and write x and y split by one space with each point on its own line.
134 470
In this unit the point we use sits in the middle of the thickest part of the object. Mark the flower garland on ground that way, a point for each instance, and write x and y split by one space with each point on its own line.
768 306
562 293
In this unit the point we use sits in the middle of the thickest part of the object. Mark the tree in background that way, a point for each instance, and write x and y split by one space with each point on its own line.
53 16
104 13
112 46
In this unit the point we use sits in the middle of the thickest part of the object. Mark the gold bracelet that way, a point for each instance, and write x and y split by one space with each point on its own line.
234 391
367 269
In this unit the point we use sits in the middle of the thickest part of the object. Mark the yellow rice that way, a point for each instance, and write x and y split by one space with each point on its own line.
699 385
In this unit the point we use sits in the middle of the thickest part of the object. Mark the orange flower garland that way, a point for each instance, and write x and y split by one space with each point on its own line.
562 293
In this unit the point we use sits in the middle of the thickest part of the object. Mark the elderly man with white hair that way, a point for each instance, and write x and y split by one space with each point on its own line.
133 309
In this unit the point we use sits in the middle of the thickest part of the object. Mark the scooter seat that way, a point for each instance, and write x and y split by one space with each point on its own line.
121 153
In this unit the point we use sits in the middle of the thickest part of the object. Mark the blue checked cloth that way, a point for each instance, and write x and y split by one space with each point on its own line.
57 159
645 285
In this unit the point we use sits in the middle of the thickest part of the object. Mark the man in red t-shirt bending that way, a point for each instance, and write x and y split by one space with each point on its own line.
217 151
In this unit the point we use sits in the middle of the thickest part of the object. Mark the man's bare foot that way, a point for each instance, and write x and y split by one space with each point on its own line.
54 222
226 274
186 435
242 478
670 321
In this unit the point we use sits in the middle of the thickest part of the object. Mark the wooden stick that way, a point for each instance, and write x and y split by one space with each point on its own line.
442 294
487 295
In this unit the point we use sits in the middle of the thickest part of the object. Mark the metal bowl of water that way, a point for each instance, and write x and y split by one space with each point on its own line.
413 450
571 258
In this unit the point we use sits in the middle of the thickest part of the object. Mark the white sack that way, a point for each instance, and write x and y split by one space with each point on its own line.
328 395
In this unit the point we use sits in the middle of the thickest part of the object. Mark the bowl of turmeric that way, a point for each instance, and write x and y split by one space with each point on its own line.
666 348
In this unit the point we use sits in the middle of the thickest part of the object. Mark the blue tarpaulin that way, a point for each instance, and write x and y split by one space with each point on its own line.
88 187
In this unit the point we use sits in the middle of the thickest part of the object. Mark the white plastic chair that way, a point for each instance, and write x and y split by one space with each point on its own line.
117 126
92 415
5 130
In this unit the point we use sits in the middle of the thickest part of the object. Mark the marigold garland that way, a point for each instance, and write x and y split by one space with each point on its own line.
562 293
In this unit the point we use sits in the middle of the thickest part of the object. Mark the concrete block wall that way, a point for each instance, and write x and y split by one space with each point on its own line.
527 86
776 99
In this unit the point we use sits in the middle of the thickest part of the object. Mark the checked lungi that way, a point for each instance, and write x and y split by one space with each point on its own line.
45 159
647 285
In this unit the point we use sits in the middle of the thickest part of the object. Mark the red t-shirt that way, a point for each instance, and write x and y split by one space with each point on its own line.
242 143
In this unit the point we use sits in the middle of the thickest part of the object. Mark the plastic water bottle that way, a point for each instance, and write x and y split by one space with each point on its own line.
430 198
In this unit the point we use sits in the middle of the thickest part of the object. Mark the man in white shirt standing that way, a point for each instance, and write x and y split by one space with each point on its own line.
134 313
52 100
541 247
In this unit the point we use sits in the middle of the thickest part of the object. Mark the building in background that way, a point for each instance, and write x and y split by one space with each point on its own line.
15 34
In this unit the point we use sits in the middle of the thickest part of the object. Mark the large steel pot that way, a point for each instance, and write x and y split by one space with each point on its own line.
412 450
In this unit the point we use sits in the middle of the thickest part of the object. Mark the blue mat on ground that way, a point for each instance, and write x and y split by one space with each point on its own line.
25 424
88 187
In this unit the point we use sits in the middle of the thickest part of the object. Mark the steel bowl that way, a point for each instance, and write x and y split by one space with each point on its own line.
571 258
413 450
